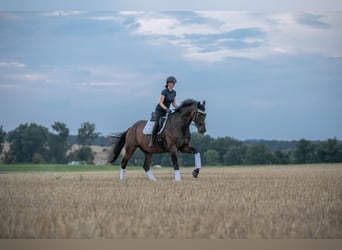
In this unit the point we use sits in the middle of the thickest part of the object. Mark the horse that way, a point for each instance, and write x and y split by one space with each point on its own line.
175 137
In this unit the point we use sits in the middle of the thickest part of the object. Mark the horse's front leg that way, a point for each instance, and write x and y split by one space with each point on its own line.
198 163
174 158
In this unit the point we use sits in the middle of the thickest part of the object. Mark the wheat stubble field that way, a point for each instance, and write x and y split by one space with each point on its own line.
248 202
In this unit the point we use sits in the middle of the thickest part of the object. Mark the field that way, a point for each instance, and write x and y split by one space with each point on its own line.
242 202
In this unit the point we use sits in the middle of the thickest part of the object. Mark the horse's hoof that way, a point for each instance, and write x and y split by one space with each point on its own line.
195 173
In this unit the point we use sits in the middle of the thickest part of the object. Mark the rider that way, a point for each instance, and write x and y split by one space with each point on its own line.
168 96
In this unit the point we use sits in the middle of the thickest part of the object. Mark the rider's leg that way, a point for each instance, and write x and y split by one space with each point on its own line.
158 114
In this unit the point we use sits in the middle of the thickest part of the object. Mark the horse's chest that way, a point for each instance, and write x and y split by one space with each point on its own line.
178 141
183 141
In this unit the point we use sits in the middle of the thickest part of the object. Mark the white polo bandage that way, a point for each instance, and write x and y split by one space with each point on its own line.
198 163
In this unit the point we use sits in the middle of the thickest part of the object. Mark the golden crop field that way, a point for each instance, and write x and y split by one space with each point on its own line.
247 202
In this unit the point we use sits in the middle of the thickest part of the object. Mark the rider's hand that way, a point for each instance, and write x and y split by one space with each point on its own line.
168 111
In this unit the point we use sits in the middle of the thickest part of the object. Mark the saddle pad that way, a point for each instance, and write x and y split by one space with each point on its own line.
148 128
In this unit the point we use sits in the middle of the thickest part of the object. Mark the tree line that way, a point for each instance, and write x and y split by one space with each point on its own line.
35 143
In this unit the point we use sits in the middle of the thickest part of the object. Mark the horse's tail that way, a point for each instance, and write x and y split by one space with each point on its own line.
119 141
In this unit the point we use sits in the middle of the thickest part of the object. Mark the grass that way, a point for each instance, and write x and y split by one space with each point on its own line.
223 203
54 168
87 168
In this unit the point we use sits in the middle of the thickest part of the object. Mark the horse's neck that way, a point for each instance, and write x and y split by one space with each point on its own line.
184 119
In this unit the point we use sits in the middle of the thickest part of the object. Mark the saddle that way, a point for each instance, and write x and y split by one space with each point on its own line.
150 124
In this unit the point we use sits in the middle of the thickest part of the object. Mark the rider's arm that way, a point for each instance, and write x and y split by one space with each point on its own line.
174 103
161 102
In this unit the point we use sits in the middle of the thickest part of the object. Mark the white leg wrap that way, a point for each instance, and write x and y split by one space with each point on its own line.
198 163
177 175
150 176
122 174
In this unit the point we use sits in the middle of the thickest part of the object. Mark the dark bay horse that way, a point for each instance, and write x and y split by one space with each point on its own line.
175 137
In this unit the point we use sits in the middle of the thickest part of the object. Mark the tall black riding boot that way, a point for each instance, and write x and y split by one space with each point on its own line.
151 143
154 135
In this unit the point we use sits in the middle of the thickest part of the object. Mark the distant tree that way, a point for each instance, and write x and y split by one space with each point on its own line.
235 154
86 133
26 140
281 157
2 138
222 145
258 154
58 143
200 142
211 157
305 152
85 154
137 159
37 158
328 151
339 152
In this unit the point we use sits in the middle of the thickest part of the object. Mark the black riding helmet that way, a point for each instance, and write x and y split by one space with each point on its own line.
170 79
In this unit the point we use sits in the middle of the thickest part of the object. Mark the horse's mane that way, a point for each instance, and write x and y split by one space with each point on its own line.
186 103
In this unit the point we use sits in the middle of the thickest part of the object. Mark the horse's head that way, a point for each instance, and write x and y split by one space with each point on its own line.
193 111
199 118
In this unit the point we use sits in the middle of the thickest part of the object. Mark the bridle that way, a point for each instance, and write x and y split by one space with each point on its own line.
195 119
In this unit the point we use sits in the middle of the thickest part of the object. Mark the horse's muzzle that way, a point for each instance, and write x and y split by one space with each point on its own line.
202 130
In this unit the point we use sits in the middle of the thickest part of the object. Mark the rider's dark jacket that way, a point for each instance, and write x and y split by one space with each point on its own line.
160 112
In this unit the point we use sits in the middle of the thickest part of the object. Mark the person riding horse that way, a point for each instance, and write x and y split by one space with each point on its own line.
167 97
175 138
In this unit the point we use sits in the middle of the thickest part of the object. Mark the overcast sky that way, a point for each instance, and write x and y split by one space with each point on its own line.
264 74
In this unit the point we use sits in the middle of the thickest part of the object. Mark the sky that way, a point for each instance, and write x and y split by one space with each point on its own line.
265 74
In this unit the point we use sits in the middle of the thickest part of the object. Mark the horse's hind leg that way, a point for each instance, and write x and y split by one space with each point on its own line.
174 158
128 154
147 164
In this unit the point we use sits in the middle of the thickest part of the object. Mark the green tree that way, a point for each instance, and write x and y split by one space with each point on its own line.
200 142
58 143
86 133
2 138
222 145
211 157
258 154
304 152
85 154
328 151
26 140
235 154
339 152
281 157
137 158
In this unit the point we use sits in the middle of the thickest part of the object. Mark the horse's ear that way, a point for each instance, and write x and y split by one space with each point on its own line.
203 103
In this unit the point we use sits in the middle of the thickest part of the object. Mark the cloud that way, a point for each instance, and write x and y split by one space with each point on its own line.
10 16
12 65
201 37
312 20
114 79
63 13
104 18
104 84
28 76
213 36
8 86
